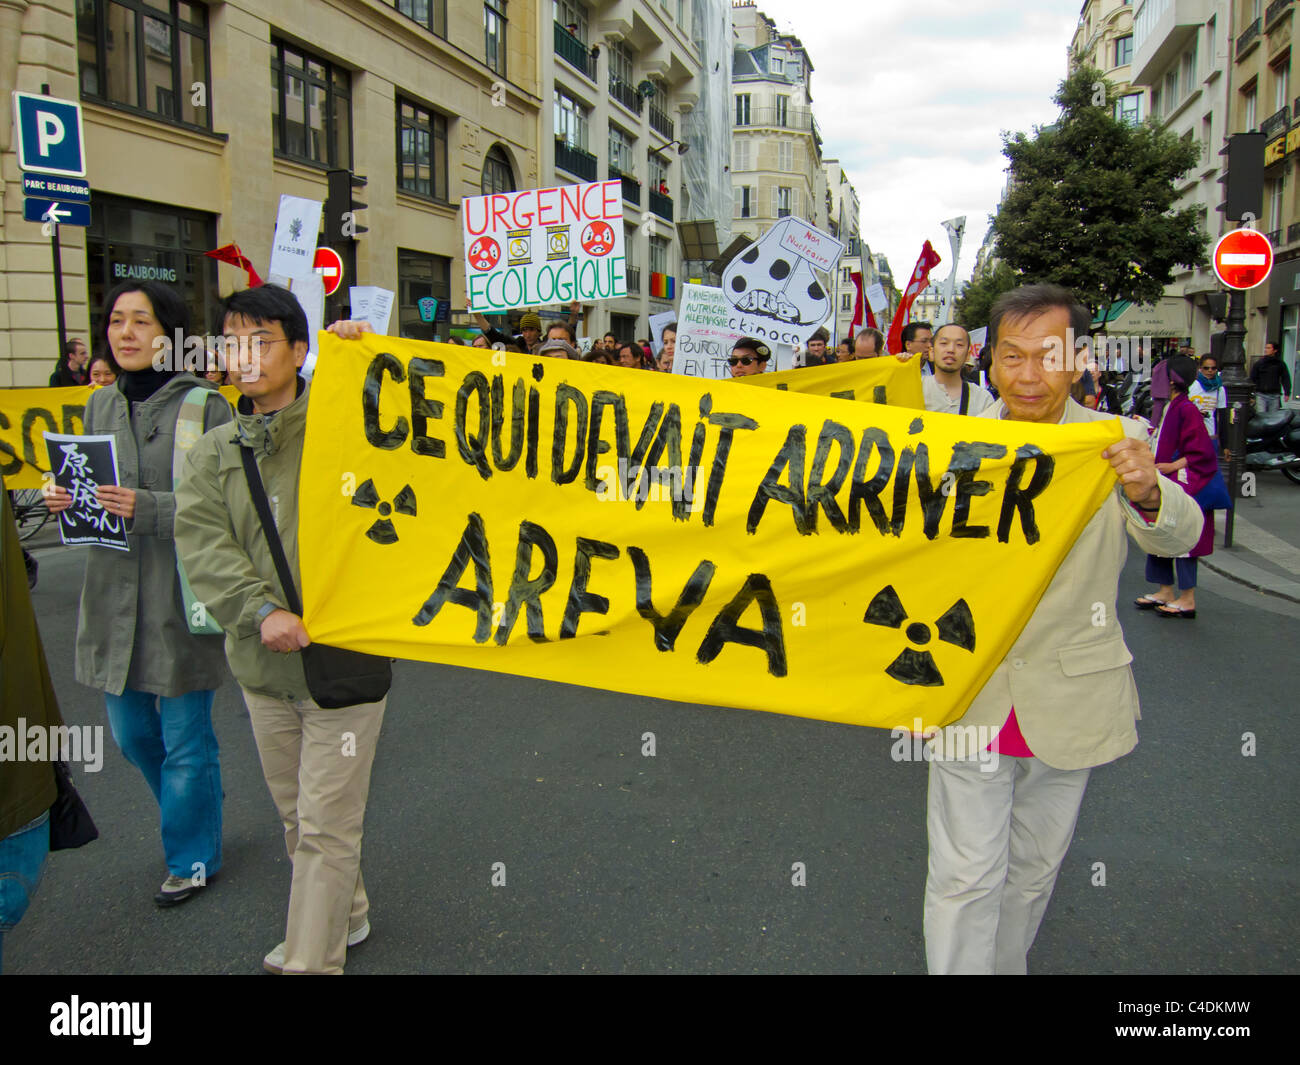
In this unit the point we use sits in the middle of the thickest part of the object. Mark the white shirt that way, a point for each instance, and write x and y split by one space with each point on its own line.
1206 402
937 398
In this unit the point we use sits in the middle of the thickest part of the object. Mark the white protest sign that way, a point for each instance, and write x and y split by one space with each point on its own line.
876 298
539 246
297 225
774 287
704 337
310 293
372 304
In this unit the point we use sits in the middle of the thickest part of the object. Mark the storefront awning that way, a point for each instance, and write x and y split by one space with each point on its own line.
1168 317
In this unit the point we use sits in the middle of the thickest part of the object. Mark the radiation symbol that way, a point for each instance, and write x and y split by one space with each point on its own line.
598 238
382 531
956 626
484 253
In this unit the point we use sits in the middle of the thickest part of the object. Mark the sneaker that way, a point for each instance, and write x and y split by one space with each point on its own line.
175 890
274 962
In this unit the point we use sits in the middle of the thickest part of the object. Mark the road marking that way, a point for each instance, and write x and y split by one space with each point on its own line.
1262 542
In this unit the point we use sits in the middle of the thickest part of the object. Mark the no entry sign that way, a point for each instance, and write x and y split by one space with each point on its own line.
1243 258
330 267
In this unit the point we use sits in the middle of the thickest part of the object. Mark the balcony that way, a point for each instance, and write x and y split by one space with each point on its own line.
575 161
1276 123
633 280
1247 40
574 52
660 122
631 187
779 118
625 94
1274 237
1274 12
661 205
1293 232
1162 31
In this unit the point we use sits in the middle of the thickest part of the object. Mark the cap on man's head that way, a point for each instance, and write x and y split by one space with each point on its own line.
559 349
756 346
530 321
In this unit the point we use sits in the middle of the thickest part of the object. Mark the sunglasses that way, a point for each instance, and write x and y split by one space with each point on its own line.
745 360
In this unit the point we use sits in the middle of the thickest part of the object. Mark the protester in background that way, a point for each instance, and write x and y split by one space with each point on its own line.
27 788
1272 380
631 355
669 352
1107 398
71 370
561 331
600 356
816 353
947 391
133 636
1159 389
558 349
1063 699
215 373
869 344
844 352
1185 453
917 339
749 356
480 341
611 345
1209 396
316 761
103 370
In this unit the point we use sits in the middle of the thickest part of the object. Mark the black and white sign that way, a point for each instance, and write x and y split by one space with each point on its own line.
81 464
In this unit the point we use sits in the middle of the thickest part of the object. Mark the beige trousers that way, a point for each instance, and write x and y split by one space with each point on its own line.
997 841
317 766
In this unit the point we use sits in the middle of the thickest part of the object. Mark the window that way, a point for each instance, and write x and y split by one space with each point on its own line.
421 151
744 201
777 64
781 200
620 150
846 303
740 155
1124 51
792 71
658 255
782 110
149 55
1155 103
497 175
1273 190
572 16
1282 82
629 245
1129 108
1171 89
431 14
311 108
1211 40
420 276
784 156
494 34
570 120
1189 69
620 62
742 109
1249 100
658 171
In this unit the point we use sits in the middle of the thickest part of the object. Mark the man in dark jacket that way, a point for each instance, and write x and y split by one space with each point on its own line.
1272 380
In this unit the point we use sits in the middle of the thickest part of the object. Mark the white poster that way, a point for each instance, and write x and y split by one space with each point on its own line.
372 304
876 298
297 225
310 292
657 323
539 246
704 335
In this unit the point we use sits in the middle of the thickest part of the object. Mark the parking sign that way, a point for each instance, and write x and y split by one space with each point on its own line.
50 139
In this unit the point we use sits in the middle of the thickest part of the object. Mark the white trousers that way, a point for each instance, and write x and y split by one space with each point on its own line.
997 840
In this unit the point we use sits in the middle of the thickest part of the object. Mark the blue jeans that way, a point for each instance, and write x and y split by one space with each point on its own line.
1265 403
22 860
1161 571
170 740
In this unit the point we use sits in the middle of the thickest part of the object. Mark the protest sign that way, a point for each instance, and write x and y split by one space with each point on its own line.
657 323
876 298
774 285
372 304
676 538
297 225
884 380
81 464
704 335
524 249
27 413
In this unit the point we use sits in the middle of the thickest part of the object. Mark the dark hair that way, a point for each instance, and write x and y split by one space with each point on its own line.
637 349
262 306
170 311
608 335
104 356
1182 372
756 346
568 330
912 328
599 355
953 325
671 327
821 335
1029 301
1210 358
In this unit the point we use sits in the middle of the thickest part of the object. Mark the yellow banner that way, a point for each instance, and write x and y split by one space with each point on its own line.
879 380
26 414
693 540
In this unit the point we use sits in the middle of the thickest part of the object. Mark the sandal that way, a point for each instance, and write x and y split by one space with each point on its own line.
1171 611
1149 602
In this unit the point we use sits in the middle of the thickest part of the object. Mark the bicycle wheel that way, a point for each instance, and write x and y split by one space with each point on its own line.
30 512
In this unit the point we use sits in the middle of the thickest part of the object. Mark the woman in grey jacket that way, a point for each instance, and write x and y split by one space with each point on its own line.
134 641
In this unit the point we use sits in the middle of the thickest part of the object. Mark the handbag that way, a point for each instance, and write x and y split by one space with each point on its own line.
335 677
1214 496
70 823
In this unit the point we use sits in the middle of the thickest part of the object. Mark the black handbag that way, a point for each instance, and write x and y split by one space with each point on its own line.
70 823
335 677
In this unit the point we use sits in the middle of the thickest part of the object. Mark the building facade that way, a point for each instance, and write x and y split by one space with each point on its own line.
1104 39
199 116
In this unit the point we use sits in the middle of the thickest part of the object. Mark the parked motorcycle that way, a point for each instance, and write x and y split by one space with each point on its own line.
1273 443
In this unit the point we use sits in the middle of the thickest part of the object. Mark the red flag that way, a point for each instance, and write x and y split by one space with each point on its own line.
915 286
858 302
231 254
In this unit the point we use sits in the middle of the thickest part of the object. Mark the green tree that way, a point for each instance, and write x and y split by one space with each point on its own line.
1091 202
972 307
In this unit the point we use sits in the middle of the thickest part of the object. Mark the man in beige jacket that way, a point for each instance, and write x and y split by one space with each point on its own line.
1063 700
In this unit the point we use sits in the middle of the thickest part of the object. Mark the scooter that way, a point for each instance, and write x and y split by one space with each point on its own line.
1273 443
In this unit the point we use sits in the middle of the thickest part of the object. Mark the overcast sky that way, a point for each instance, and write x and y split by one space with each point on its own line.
912 95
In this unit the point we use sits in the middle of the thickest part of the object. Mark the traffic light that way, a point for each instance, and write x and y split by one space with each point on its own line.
1243 176
341 225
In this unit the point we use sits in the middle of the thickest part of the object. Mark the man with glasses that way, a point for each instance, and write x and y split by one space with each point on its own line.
749 356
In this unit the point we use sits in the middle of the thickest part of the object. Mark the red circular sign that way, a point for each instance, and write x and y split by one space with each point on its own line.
598 238
484 253
330 267
1243 258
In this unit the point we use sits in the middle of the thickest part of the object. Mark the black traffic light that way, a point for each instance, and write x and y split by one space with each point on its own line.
1243 176
341 225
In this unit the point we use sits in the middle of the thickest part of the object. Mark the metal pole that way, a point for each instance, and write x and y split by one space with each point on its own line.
58 287
1240 393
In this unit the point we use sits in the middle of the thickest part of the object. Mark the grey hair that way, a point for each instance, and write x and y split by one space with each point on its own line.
1029 301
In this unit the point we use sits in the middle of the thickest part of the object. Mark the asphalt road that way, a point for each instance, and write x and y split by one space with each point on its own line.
682 862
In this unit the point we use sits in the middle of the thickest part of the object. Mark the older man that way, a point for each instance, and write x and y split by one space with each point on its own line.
869 344
1063 700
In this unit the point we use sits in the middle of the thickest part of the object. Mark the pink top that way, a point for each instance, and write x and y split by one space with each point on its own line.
1009 741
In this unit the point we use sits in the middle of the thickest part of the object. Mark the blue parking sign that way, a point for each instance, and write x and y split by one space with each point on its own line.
50 140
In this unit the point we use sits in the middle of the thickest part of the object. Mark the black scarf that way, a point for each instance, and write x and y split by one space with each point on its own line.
140 385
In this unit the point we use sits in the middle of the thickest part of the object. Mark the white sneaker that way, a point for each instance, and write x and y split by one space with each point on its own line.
274 962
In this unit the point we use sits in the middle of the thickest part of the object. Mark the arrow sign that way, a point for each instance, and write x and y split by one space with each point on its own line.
56 211
1243 258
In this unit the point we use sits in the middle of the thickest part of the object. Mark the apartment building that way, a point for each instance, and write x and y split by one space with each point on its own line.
776 162
1104 39
842 211
198 116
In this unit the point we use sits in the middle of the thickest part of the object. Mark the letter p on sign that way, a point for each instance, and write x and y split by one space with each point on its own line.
50 139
